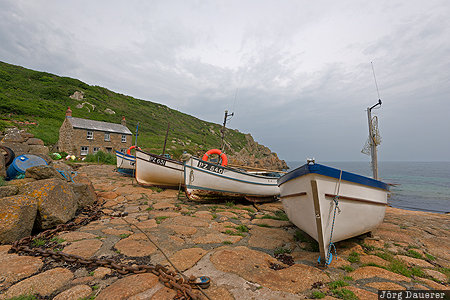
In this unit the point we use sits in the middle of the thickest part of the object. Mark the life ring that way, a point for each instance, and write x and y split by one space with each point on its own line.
132 147
216 151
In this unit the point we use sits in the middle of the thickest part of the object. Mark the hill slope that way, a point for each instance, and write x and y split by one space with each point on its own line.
28 96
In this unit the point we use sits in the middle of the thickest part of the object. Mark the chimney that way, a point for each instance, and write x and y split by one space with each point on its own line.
123 122
68 112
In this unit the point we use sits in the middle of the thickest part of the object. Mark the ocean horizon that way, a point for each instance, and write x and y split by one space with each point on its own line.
423 186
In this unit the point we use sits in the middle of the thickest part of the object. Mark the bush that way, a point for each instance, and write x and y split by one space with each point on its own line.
101 157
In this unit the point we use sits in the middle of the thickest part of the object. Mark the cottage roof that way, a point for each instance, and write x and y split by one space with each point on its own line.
98 125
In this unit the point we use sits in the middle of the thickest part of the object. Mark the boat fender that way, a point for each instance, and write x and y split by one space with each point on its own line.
132 147
216 151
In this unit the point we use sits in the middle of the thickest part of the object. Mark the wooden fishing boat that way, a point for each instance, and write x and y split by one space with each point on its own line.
205 181
332 205
125 163
157 170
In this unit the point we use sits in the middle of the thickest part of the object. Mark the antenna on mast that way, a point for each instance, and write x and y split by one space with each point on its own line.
225 119
374 135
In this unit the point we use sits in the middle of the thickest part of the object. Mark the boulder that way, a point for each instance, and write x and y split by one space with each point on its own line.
13 135
38 149
17 215
43 172
8 190
84 191
2 166
35 141
56 201
18 148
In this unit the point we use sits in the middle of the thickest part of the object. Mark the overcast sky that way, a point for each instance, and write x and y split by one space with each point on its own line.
297 74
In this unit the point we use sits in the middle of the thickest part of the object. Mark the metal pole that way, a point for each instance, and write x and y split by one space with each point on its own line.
222 143
373 146
165 140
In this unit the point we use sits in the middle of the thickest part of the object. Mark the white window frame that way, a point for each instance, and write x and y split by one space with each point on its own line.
124 138
84 150
107 137
95 149
123 150
109 149
90 135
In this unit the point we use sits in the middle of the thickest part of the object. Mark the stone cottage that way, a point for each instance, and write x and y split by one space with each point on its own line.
81 137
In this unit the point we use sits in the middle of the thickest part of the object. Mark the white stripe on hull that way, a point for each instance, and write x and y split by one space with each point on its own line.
219 182
155 170
362 207
124 162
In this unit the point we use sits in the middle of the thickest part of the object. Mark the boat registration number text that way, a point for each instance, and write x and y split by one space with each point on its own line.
209 167
158 161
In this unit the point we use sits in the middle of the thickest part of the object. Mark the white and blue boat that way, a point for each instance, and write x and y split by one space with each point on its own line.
158 170
207 181
332 205
125 163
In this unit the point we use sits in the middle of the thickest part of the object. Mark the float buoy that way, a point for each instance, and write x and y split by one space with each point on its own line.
216 151
132 147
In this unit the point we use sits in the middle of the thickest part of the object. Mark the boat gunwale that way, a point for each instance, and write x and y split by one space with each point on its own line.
124 155
231 178
230 169
332 173
159 156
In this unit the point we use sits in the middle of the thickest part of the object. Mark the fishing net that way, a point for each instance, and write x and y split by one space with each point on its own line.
376 137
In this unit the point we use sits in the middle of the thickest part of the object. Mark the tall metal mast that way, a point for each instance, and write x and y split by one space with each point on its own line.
373 140
227 117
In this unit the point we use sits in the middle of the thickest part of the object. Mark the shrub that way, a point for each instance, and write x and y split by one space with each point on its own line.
101 157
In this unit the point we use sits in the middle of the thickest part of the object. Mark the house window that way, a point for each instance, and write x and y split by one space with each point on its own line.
107 137
84 150
124 138
90 135
96 149
108 149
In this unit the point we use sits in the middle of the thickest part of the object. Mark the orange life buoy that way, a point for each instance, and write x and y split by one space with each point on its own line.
216 151
132 147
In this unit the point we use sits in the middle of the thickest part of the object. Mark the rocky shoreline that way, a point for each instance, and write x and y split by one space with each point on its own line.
249 252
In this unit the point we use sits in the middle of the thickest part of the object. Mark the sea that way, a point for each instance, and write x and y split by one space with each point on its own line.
423 186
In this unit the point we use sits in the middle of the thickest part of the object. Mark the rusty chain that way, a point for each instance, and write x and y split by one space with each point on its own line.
181 284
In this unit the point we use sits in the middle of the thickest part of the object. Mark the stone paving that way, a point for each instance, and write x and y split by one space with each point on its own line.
248 251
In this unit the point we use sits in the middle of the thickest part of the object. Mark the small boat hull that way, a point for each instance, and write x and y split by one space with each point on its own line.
308 195
156 170
125 163
207 181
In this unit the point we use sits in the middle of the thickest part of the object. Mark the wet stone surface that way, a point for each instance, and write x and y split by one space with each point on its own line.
249 251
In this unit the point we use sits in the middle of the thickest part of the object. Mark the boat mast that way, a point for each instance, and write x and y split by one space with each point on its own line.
372 141
227 117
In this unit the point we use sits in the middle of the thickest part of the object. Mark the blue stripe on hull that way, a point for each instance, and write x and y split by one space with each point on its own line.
334 173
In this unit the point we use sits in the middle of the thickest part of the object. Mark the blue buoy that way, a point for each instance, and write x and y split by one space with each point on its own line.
21 163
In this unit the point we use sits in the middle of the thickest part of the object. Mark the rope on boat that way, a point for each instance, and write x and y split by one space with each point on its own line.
331 246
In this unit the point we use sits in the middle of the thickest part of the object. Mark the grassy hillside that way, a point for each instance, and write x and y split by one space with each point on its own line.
42 98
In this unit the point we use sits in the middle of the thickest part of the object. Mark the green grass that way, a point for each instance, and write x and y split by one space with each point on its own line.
344 294
300 236
124 235
160 219
414 254
278 215
337 284
430 257
263 225
347 268
231 232
348 278
156 189
57 240
230 204
353 257
250 210
101 157
227 243
2 181
318 295
242 228
38 242
282 250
